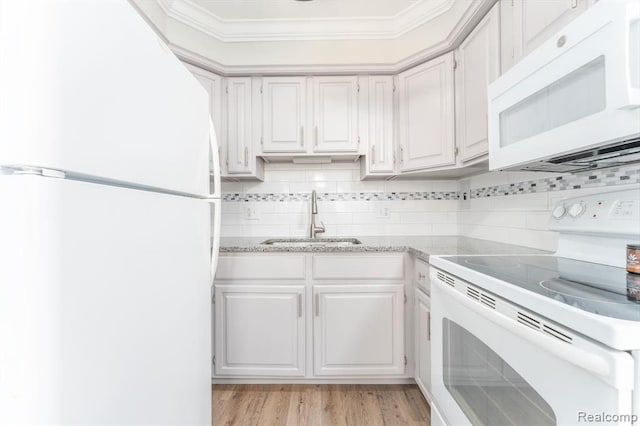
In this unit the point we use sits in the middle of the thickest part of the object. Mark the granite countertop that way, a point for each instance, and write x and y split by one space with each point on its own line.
420 246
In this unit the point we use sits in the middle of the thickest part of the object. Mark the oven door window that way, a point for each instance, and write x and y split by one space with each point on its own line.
485 387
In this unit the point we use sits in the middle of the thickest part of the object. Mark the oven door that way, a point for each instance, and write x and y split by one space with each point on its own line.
494 363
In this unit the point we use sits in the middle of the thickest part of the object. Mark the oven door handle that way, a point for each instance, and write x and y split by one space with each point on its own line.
586 360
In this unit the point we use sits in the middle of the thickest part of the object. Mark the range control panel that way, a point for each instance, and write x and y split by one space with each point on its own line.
608 213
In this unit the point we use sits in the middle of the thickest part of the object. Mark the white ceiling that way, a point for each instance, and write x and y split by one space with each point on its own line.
316 9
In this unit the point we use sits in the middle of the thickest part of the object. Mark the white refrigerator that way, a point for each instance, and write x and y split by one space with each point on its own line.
106 220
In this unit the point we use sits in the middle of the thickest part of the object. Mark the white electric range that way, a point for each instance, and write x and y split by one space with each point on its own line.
546 339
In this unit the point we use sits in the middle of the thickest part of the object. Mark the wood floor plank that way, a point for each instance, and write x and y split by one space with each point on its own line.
276 405
333 405
305 406
319 405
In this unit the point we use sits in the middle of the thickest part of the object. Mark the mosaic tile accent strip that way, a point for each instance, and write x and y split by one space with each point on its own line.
343 196
593 179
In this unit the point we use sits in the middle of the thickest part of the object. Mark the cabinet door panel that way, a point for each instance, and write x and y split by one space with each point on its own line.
335 114
359 330
526 24
239 123
212 83
381 143
426 115
423 343
540 19
259 330
478 65
284 114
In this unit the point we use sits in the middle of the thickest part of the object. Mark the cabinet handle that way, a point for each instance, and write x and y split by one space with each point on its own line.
574 4
246 156
401 154
316 136
301 135
373 154
299 305
428 326
421 276
317 305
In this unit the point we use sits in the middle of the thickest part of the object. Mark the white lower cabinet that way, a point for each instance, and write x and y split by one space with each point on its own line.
358 330
259 330
422 323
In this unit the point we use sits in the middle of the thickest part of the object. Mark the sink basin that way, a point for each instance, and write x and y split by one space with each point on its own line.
308 242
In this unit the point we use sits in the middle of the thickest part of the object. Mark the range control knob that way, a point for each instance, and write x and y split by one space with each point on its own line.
577 209
559 211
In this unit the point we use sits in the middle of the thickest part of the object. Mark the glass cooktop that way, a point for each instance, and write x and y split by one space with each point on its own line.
596 288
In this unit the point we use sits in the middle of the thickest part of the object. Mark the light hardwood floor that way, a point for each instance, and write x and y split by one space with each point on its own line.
326 405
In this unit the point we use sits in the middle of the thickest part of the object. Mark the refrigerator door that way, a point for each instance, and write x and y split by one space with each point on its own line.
88 87
105 299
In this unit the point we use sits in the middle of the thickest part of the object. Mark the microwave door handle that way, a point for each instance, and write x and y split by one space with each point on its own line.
572 354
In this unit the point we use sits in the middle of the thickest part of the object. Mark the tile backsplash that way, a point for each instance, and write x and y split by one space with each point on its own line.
510 207
514 207
347 206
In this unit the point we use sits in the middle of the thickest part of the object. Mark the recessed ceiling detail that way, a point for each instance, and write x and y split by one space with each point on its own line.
276 37
288 20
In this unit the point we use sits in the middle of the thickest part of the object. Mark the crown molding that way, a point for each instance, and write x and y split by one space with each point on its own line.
260 30
463 27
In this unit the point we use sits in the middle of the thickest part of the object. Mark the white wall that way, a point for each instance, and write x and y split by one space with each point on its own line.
521 217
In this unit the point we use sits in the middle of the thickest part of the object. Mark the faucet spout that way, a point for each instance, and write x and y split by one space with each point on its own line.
314 202
314 229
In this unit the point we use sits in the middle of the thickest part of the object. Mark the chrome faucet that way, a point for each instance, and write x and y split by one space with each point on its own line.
315 229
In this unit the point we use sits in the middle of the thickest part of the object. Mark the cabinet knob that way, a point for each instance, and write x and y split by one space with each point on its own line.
421 276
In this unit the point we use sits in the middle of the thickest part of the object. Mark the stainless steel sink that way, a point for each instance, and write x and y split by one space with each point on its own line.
308 242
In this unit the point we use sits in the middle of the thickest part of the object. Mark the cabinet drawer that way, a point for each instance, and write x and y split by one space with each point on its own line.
263 267
367 267
421 276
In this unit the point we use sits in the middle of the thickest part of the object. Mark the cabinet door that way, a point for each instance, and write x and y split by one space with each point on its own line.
259 330
239 124
528 23
212 83
358 330
381 146
335 114
426 115
422 323
284 114
478 64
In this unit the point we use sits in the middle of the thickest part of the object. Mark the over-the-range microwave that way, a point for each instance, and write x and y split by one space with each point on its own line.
573 104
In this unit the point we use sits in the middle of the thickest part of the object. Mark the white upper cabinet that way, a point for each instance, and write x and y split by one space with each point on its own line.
284 114
478 64
528 23
335 114
212 83
379 115
426 121
238 138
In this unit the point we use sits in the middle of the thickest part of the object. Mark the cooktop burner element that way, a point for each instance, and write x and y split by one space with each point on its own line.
592 287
